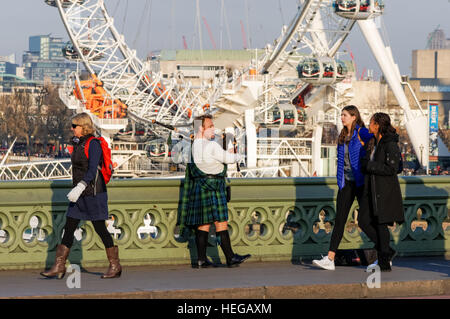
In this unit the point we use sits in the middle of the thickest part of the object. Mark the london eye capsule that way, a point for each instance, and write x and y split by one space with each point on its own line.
283 116
309 69
64 3
157 148
341 70
358 9
289 117
275 115
71 53
321 70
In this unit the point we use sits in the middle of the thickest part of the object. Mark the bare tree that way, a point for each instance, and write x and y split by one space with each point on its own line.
18 117
55 119
35 118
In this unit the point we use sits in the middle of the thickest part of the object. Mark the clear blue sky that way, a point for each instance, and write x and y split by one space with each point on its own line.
407 22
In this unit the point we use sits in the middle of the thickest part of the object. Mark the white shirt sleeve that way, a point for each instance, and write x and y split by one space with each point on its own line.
210 157
222 156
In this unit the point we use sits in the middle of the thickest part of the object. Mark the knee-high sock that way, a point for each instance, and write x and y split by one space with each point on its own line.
201 240
225 244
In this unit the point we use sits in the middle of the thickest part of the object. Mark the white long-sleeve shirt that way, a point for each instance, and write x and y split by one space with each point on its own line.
210 157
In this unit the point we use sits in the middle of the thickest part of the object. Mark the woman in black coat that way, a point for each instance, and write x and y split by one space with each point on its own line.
381 204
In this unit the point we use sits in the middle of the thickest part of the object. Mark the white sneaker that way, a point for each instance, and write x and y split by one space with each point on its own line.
324 263
372 267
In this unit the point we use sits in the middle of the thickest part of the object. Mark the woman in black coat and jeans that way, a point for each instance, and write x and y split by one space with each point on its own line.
381 205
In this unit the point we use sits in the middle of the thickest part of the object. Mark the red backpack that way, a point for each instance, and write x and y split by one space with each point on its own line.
107 165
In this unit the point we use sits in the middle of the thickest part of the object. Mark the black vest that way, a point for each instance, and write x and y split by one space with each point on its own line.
80 164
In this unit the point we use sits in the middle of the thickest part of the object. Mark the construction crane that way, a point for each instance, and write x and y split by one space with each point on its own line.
353 59
308 45
244 38
185 46
209 33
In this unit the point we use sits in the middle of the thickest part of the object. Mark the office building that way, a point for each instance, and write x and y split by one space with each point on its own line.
8 68
47 47
45 62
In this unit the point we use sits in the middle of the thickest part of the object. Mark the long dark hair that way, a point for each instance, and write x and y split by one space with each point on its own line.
344 135
385 127
384 121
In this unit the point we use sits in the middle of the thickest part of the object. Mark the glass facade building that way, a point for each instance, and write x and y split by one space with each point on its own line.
48 48
45 60
56 71
7 68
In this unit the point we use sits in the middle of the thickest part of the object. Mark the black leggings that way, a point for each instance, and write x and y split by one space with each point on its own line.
99 226
344 202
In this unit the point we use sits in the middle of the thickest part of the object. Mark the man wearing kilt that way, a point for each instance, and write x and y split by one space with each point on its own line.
204 196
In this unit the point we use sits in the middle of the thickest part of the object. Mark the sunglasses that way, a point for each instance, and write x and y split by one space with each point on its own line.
75 125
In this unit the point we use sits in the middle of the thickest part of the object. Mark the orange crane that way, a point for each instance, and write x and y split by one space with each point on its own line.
362 74
210 33
185 46
353 59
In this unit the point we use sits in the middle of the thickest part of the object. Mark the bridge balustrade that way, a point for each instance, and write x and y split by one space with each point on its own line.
271 218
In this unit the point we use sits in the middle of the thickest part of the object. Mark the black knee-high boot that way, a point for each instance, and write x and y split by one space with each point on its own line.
233 259
201 240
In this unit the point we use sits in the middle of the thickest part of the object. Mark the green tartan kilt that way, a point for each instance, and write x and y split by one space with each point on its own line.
203 199
206 206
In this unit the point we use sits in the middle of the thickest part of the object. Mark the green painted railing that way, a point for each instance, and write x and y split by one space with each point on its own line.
273 219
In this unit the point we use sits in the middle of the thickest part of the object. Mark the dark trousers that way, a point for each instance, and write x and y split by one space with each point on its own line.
99 226
344 202
377 232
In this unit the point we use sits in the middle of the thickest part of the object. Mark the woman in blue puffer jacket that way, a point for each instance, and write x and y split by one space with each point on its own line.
350 179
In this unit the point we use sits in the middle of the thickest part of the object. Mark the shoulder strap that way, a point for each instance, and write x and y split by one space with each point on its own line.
359 137
86 146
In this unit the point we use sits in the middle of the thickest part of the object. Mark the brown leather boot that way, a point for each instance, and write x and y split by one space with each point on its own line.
115 269
59 267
